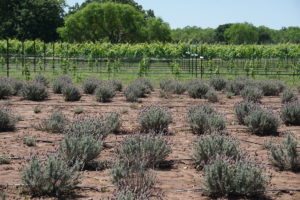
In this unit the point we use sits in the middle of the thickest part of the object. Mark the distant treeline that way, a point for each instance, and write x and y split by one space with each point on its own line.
119 21
237 33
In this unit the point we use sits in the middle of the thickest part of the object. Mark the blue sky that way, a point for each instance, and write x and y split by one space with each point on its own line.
211 13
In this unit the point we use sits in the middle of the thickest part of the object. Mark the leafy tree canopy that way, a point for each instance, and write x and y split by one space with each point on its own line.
31 19
290 34
114 22
77 7
220 30
157 30
194 35
242 33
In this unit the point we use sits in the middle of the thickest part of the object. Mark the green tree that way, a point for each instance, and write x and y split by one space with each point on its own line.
97 21
220 30
242 33
114 22
31 19
7 15
157 30
264 35
194 35
77 7
290 34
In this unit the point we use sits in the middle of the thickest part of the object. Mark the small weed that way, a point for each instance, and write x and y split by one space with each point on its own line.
4 160
124 111
7 103
134 106
78 111
37 109
29 142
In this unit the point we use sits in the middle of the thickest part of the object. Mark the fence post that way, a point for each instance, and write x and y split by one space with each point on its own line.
23 57
44 48
196 62
201 61
7 57
34 54
53 53
192 59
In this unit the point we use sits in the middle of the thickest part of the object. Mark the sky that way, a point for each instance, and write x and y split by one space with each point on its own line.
212 13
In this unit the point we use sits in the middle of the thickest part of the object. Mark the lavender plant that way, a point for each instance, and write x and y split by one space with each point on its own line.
97 127
60 83
218 83
51 178
41 79
7 120
148 149
226 177
104 93
288 96
5 89
136 180
172 86
290 113
262 122
203 119
116 84
285 156
79 149
252 94
90 85
243 109
71 93
154 118
271 87
54 124
208 147
34 91
212 96
198 90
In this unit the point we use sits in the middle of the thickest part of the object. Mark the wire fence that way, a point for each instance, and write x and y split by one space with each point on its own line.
26 65
191 64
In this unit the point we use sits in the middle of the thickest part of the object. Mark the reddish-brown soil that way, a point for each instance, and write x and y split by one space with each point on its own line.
182 175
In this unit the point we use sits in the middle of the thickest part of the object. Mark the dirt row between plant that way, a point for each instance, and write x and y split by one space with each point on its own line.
182 175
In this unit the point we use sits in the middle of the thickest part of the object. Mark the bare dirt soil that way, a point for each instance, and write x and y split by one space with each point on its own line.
182 175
